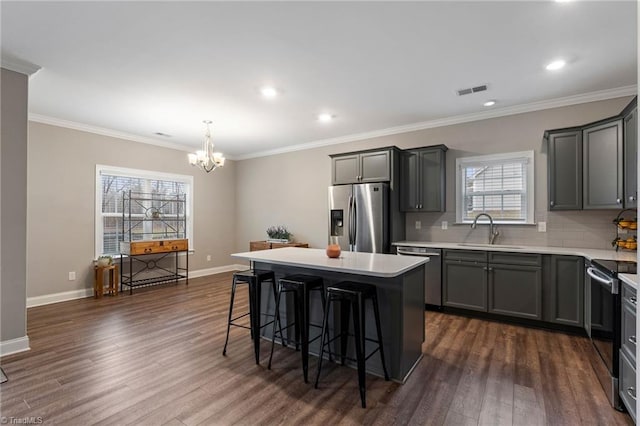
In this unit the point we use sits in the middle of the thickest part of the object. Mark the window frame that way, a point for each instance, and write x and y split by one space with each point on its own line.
492 159
141 174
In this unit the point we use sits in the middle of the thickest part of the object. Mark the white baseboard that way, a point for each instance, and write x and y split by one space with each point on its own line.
13 346
88 292
59 297
216 270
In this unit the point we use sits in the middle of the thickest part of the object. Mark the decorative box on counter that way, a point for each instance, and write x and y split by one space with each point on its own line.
153 246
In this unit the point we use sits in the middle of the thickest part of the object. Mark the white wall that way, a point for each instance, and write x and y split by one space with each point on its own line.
291 188
61 200
13 224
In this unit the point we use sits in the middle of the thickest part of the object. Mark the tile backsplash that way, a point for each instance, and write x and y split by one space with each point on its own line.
582 229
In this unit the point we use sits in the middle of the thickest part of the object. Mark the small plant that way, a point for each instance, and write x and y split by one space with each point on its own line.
104 261
278 232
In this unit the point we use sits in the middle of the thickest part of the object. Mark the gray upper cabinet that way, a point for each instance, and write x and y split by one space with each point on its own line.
361 167
422 179
631 159
563 290
602 166
565 170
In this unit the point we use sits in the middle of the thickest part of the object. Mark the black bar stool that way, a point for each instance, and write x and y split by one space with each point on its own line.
300 286
352 296
254 278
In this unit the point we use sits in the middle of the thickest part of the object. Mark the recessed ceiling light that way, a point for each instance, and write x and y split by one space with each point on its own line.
556 65
489 103
269 92
325 117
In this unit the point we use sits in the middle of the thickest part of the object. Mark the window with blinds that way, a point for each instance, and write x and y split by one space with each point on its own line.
501 185
112 183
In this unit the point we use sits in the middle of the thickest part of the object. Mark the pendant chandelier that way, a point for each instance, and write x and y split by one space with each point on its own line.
206 158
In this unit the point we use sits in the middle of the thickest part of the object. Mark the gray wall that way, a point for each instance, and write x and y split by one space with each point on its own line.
61 198
291 188
13 208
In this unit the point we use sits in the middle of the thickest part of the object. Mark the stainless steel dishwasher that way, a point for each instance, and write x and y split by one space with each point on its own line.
432 272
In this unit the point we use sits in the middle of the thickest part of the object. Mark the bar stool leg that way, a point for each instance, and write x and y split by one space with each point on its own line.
304 332
276 294
356 305
323 298
344 329
233 294
376 313
276 320
322 341
254 302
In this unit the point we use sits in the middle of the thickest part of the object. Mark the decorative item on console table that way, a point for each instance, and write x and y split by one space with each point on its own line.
278 234
624 225
267 245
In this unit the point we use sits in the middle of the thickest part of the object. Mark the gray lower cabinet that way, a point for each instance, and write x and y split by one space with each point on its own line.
627 381
631 159
361 167
465 285
563 290
602 168
422 179
464 278
565 170
497 282
515 290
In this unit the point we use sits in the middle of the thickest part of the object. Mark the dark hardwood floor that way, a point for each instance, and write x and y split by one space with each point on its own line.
155 358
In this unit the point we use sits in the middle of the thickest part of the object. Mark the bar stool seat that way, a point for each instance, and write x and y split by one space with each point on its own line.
352 297
300 285
254 278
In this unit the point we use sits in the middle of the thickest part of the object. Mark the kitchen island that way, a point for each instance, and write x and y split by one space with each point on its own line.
400 286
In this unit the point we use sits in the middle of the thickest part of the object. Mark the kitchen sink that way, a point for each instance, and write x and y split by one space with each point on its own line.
489 246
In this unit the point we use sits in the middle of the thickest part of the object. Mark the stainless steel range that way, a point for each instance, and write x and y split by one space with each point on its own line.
603 317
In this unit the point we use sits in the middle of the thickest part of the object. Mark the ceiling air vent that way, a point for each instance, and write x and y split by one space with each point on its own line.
471 90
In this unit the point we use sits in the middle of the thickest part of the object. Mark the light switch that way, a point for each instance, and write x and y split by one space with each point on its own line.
542 226
72 276
418 224
445 224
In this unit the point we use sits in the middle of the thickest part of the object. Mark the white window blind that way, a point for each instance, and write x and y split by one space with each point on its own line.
500 185
111 185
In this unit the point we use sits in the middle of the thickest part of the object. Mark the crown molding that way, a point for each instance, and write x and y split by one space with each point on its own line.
448 121
44 119
19 66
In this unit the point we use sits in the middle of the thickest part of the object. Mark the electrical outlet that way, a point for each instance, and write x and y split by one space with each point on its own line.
208 258
72 276
418 224
542 226
445 224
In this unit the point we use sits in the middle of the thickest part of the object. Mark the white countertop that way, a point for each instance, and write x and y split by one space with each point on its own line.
371 264
570 251
631 279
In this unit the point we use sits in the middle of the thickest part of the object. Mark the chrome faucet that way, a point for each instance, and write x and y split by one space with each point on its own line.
493 229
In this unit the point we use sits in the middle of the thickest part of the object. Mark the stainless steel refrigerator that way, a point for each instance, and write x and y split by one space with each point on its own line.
359 217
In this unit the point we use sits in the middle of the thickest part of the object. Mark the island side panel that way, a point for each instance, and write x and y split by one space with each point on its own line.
401 316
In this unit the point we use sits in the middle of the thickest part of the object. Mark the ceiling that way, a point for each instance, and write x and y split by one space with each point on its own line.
146 67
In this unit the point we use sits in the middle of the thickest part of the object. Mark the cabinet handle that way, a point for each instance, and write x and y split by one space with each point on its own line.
632 339
633 300
148 250
417 206
631 391
552 204
632 198
619 200
485 269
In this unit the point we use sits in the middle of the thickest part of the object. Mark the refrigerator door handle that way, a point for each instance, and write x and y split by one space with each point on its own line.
355 222
349 222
